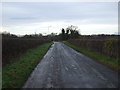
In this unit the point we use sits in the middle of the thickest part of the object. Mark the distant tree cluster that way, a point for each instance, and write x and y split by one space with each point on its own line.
33 36
70 32
8 35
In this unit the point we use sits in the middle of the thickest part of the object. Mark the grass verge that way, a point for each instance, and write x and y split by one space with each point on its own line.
14 75
110 62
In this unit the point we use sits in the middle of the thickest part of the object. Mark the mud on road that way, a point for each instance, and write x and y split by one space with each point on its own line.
63 67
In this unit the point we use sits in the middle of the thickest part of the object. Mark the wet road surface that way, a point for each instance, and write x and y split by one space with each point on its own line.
63 67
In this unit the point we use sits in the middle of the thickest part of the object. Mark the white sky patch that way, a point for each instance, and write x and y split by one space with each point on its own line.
91 18
98 29
60 0
55 27
44 28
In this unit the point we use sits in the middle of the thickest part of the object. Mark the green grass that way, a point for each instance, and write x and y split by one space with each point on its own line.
110 62
14 75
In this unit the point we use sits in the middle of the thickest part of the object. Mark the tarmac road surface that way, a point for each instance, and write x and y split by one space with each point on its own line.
63 67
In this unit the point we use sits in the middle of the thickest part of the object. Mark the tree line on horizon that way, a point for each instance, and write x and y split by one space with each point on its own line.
71 32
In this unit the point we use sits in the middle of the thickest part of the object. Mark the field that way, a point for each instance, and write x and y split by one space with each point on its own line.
107 47
14 47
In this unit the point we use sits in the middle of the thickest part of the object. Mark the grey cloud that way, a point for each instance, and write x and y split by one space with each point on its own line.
97 13
21 18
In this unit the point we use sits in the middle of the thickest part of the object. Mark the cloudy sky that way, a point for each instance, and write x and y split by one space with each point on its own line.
47 17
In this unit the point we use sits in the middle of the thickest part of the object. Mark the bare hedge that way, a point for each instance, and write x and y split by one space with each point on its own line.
108 47
13 47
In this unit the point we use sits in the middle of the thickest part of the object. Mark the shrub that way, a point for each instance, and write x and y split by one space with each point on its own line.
111 47
108 47
13 47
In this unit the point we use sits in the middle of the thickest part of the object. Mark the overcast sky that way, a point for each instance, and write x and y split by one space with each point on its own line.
30 17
